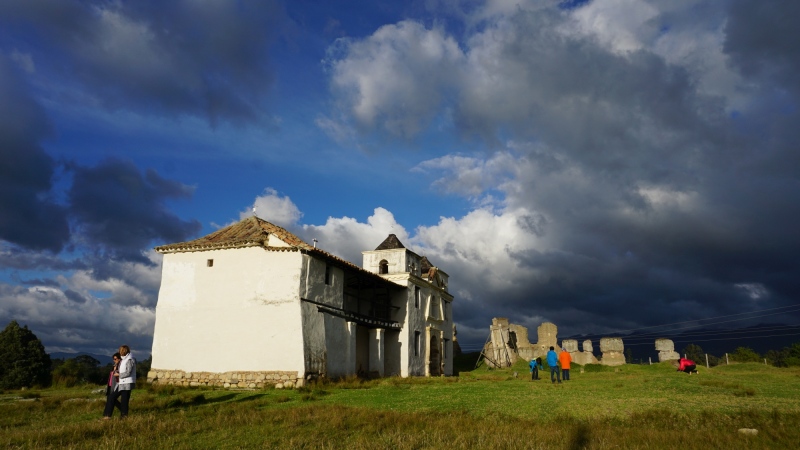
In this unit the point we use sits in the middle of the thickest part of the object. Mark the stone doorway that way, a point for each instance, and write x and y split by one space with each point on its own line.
435 365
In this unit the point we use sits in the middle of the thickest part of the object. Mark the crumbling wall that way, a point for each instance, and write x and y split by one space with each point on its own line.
666 350
500 350
508 342
612 348
582 358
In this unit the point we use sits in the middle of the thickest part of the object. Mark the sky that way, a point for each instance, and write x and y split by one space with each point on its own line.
604 165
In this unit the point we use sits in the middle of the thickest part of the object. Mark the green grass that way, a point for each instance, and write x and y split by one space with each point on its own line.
604 407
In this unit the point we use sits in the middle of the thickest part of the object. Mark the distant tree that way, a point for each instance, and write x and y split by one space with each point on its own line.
792 358
628 356
695 353
23 361
786 357
78 370
745 354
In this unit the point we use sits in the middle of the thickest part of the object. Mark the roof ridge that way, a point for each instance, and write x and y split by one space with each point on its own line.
248 232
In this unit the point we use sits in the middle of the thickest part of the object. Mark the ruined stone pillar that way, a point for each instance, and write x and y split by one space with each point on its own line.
548 337
612 349
666 350
377 350
499 341
570 345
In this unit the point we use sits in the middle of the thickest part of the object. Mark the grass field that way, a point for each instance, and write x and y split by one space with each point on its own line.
629 407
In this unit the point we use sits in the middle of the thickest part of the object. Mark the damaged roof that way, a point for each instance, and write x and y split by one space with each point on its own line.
254 232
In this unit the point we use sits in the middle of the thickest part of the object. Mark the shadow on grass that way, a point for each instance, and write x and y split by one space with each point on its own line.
580 439
250 398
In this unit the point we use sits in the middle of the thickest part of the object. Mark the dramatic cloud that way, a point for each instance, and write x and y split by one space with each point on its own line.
605 164
347 238
83 313
28 216
122 211
185 57
378 78
636 175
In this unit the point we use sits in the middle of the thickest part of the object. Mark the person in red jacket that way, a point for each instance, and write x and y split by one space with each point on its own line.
687 365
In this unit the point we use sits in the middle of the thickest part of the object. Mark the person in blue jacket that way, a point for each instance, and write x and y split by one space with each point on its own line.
552 361
535 365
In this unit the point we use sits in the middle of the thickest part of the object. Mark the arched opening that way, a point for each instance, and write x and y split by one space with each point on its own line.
383 267
435 359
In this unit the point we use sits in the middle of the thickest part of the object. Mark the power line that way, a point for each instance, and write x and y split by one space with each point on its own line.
785 309
714 332
718 339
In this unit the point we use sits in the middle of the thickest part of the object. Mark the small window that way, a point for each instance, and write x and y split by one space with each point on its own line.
383 267
444 348
328 274
416 343
417 295
209 263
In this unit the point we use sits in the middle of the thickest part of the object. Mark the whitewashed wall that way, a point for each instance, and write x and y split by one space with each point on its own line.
243 313
400 260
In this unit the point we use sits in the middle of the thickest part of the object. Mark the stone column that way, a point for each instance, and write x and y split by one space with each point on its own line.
351 348
612 349
570 345
377 350
666 350
547 333
426 352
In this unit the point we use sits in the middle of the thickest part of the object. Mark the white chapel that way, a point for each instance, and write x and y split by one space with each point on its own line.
252 304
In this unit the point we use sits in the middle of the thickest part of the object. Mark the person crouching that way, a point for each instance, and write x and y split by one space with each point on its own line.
687 365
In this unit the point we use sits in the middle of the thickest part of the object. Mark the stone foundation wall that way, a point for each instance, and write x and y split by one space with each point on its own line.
279 379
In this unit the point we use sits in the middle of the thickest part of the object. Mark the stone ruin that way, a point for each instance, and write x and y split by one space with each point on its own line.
666 350
582 358
548 334
612 348
507 343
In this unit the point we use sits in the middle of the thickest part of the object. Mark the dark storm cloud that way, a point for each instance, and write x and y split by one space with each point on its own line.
122 211
657 201
196 58
28 217
762 37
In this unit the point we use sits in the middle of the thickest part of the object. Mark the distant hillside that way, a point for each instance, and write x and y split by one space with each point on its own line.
104 359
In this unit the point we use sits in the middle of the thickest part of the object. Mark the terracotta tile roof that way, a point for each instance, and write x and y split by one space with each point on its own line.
254 232
250 232
390 243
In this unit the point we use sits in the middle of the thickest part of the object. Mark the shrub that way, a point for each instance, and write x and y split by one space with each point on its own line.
745 354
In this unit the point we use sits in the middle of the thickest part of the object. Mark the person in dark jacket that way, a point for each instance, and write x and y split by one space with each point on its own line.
111 384
687 365
126 380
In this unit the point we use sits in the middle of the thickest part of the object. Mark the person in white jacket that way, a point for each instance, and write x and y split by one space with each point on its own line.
126 375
